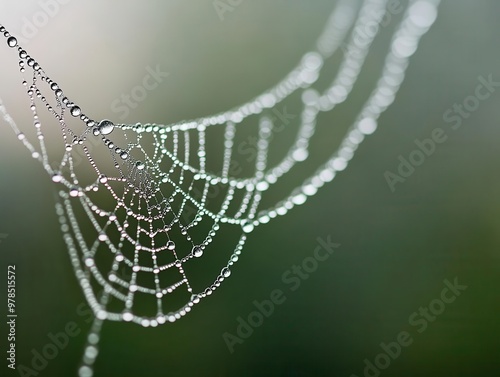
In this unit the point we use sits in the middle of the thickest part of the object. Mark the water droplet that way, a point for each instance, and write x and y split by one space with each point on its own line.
73 192
102 237
59 92
170 245
54 86
103 179
106 127
139 165
75 111
299 199
197 251
225 272
57 178
12 42
124 155
248 227
367 126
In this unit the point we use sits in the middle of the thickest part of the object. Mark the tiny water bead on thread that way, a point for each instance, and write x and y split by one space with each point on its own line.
226 272
12 42
75 111
57 178
197 251
105 127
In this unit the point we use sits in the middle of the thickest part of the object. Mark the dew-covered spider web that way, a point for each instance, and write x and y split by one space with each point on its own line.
154 199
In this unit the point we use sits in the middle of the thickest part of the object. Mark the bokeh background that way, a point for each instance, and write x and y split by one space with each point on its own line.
396 247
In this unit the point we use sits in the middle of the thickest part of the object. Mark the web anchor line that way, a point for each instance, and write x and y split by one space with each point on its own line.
134 200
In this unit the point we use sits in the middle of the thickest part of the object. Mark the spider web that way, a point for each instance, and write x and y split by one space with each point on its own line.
138 197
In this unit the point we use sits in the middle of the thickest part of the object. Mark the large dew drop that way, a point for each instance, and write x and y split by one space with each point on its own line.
57 178
74 192
248 227
197 251
226 272
12 41
75 111
106 127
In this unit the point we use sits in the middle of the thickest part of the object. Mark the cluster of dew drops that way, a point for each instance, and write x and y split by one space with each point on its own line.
104 127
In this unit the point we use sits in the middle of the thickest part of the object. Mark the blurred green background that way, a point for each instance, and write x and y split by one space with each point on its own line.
396 247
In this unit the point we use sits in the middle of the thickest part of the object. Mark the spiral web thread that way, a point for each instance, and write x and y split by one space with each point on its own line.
146 206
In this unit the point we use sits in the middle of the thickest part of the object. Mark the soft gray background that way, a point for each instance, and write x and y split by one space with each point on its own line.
397 248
